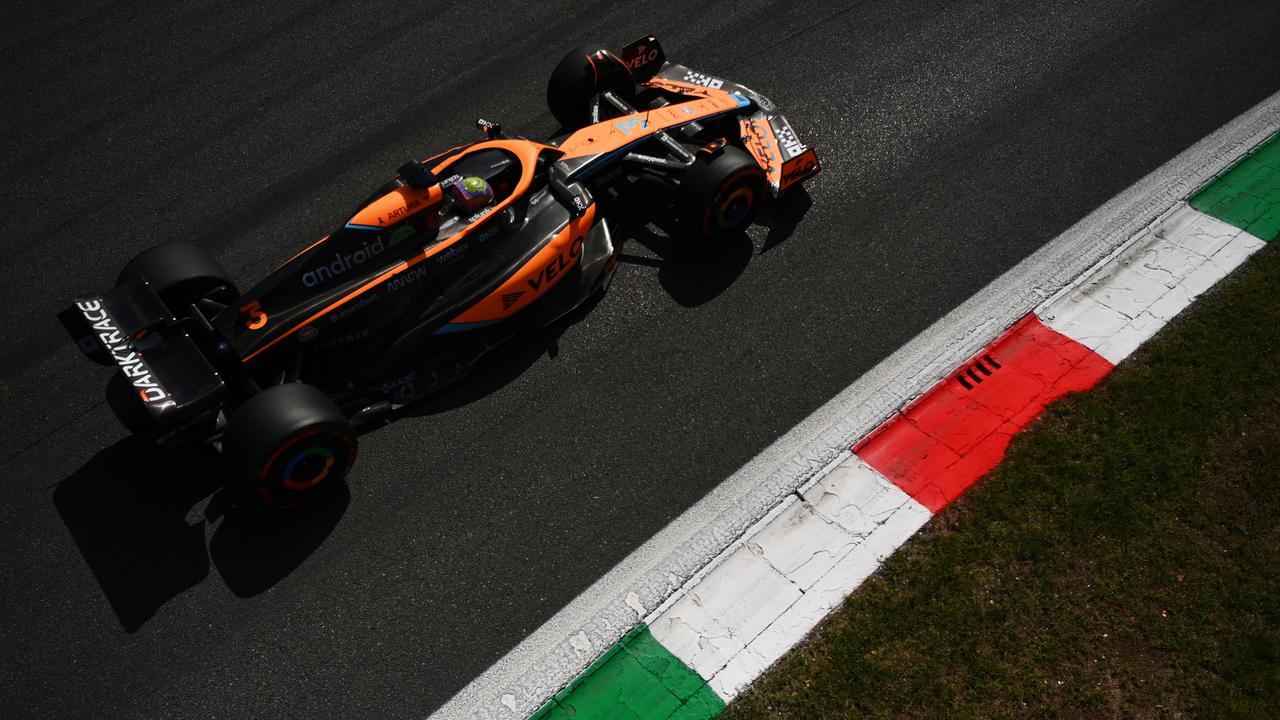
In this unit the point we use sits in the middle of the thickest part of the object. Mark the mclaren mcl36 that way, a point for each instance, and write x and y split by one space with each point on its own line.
455 255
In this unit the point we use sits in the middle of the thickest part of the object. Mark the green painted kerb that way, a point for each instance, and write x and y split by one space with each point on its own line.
636 679
1248 195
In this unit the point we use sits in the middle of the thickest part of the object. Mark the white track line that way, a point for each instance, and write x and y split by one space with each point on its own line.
549 658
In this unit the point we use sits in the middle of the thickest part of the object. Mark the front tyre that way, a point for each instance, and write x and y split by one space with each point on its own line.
720 196
580 76
290 444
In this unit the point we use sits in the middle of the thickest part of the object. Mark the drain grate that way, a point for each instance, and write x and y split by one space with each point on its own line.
977 371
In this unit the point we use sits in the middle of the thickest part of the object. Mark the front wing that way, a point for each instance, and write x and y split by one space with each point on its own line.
766 133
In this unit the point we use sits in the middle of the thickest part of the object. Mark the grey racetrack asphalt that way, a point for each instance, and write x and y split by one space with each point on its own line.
956 139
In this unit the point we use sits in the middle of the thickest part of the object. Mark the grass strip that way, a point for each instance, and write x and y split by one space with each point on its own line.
1124 560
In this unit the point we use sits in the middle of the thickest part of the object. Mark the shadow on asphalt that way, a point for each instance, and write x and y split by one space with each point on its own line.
136 520
690 272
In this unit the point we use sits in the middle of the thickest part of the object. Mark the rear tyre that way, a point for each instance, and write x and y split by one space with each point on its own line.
181 274
290 445
720 196
580 76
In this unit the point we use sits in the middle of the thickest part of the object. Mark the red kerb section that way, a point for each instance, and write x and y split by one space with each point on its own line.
939 445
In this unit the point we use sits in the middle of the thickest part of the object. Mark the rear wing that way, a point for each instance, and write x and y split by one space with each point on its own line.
131 328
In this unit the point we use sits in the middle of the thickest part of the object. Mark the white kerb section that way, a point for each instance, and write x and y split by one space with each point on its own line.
1133 293
767 591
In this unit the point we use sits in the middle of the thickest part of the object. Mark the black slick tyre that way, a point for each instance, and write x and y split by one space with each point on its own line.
290 445
580 76
719 196
181 274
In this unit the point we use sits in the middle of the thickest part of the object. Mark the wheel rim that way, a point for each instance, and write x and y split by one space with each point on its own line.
735 209
305 465
308 468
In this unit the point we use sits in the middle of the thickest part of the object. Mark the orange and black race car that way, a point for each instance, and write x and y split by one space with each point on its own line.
457 254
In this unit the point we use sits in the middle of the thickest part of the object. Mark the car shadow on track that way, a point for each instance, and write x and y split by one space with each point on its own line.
138 521
502 366
691 273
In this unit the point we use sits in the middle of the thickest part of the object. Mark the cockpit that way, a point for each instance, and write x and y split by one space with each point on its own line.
497 170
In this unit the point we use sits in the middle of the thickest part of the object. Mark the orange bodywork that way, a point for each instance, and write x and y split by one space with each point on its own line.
616 133
403 202
537 276
684 88
397 205
758 138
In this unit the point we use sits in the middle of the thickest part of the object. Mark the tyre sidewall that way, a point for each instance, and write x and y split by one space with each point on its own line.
290 445
288 477
721 196
725 217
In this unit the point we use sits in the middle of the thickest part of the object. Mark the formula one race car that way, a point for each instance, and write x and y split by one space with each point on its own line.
452 257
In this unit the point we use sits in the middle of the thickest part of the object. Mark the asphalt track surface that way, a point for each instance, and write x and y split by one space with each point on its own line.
956 139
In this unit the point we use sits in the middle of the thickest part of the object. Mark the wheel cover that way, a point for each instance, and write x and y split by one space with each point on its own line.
735 208
308 468
305 461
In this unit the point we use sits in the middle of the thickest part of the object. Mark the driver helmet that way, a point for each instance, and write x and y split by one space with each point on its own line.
472 193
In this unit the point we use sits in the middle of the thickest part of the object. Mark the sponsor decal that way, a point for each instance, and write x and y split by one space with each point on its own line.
404 231
451 253
563 261
487 234
400 388
509 299
479 215
644 56
308 333
346 339
799 170
765 103
759 139
359 304
791 145
343 263
698 78
400 212
412 275
125 355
